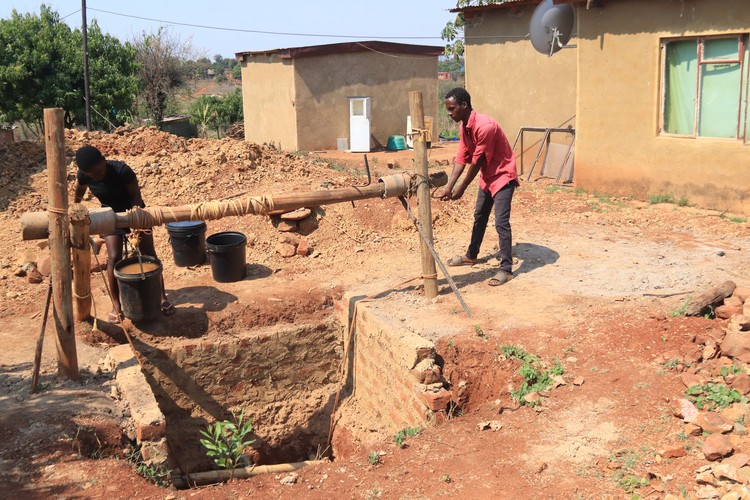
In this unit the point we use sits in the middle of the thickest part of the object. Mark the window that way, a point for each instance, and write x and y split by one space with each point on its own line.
705 87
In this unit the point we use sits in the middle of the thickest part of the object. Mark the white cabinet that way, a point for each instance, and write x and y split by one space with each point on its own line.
359 124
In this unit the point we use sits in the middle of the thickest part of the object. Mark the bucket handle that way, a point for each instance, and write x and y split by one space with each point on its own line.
180 243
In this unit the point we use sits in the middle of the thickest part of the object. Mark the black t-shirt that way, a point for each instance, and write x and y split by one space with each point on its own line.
112 191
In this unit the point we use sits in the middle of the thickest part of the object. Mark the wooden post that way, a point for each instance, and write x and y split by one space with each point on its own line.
429 272
59 244
79 240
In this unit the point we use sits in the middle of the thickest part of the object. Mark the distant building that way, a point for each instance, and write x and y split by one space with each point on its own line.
298 97
446 75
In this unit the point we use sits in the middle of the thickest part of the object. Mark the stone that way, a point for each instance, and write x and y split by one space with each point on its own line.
742 293
33 276
286 250
741 382
690 379
494 425
736 412
726 312
710 351
692 430
743 474
437 401
691 353
706 477
578 381
286 226
712 423
291 239
44 262
673 451
308 225
684 409
716 446
737 345
155 452
706 492
740 429
737 461
726 472
531 397
733 301
290 479
741 321
296 215
304 248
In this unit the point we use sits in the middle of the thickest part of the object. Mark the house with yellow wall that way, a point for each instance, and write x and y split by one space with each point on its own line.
660 92
298 98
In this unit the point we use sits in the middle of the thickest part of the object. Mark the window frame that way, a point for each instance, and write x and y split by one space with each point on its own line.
742 131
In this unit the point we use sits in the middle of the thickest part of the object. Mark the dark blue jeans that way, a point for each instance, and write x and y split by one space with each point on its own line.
501 201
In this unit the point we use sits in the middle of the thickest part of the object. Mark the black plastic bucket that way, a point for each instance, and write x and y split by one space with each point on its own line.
188 240
140 293
226 252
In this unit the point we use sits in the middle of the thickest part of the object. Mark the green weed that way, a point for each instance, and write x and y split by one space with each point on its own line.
374 458
300 153
446 478
400 436
713 396
681 310
580 191
480 333
736 220
682 201
630 482
661 198
552 189
225 441
536 378
157 475
726 370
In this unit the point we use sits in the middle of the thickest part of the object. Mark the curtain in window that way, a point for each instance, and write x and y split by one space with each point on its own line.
720 89
680 92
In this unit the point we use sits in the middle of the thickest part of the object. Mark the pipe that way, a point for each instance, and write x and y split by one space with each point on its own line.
219 476
34 225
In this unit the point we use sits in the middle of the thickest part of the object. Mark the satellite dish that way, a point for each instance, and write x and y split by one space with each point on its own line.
551 26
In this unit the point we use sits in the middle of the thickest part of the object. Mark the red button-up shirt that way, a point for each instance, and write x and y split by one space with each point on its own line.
482 135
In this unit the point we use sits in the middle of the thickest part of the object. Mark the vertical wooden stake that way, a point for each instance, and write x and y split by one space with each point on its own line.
79 240
429 272
59 244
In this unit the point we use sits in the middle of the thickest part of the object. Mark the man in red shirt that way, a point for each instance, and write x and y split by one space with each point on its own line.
484 149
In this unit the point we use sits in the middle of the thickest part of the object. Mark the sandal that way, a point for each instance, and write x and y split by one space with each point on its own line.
167 309
500 278
461 260
114 318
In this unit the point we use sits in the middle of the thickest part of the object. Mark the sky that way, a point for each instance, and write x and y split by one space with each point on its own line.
351 20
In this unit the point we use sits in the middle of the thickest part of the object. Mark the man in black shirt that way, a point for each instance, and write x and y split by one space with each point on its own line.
115 185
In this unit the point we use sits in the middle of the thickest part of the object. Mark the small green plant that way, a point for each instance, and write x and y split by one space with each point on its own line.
157 475
631 482
713 396
480 333
536 377
682 201
300 153
736 220
451 344
226 441
671 364
401 435
580 191
552 189
337 167
661 198
681 310
726 370
374 458
446 478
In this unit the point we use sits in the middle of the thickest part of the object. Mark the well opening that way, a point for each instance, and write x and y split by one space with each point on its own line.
285 376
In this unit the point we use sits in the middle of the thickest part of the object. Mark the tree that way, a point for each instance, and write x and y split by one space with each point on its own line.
210 111
41 66
237 72
454 30
160 57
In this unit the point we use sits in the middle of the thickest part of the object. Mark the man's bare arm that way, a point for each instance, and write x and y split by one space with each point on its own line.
80 191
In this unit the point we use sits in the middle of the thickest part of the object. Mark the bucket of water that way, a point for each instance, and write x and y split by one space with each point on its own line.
139 281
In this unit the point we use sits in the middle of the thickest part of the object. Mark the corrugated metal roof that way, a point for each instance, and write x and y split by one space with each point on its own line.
506 4
347 48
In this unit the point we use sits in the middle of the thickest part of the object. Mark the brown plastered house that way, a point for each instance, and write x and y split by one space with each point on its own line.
659 90
298 98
